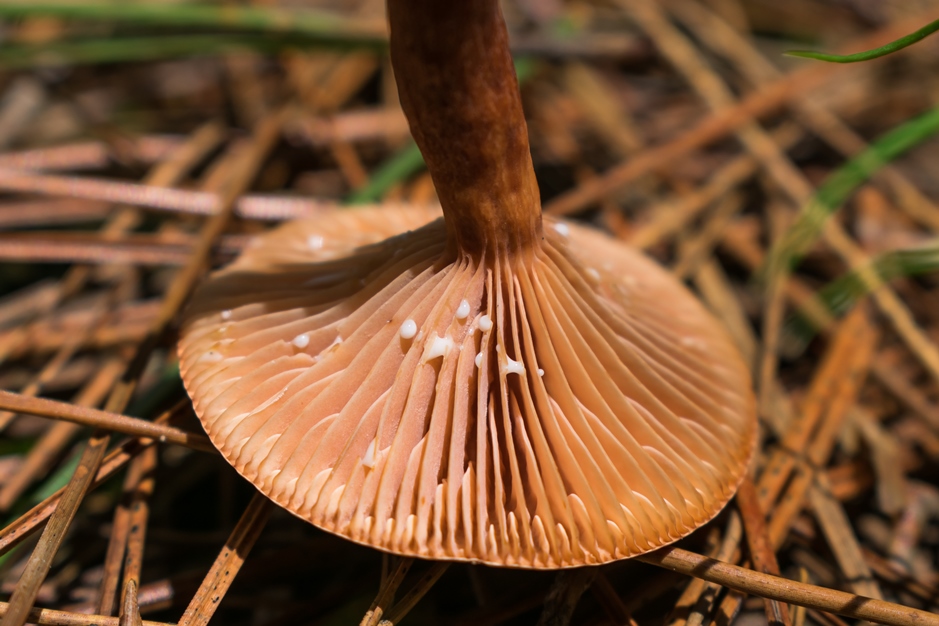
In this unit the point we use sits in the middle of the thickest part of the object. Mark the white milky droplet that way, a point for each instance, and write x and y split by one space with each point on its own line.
315 242
485 323
408 329
513 367
479 359
440 346
369 459
540 372
463 310
563 229
301 341
226 314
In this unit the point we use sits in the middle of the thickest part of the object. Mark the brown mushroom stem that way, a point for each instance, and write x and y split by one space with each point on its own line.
459 91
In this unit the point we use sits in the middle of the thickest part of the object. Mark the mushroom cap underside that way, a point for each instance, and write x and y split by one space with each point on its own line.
567 405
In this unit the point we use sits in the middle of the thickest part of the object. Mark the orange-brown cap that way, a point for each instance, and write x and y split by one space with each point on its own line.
568 404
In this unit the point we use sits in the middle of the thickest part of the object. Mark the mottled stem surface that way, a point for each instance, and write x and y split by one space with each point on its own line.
459 91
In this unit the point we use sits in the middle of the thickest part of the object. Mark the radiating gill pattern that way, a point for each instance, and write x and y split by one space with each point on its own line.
571 404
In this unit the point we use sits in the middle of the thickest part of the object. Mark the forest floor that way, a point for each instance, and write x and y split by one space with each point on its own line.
144 143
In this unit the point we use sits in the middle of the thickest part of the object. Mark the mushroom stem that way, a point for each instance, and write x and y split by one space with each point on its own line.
459 92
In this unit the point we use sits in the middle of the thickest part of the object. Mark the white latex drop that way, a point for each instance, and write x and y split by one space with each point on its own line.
408 329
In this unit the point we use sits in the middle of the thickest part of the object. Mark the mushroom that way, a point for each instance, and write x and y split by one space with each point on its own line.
489 386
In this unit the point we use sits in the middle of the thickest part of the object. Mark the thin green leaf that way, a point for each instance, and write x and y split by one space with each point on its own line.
319 24
867 55
843 293
399 167
839 186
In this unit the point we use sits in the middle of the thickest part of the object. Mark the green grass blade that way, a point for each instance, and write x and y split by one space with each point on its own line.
843 293
839 186
867 55
327 26
402 165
